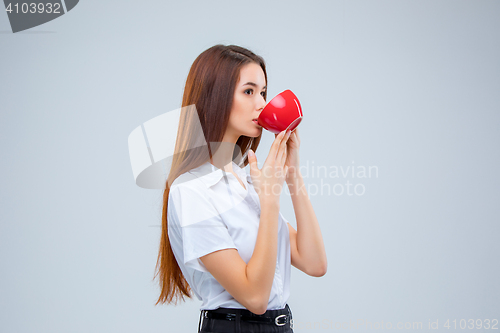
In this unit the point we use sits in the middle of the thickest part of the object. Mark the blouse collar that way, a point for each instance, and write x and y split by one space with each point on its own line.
211 175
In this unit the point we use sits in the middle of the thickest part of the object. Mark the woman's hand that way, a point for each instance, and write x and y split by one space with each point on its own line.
268 181
292 152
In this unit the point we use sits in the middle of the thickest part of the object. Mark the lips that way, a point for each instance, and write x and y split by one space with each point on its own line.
255 121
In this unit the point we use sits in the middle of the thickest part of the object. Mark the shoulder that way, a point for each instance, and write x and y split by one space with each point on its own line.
190 200
185 192
187 183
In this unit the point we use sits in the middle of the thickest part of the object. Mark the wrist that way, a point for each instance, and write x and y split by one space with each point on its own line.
269 202
293 173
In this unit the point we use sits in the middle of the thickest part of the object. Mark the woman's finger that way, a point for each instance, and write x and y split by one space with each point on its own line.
252 160
296 132
281 158
271 158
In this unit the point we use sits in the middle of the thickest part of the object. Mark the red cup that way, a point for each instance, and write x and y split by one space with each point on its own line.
282 112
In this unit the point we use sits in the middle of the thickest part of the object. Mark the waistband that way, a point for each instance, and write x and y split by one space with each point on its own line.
277 317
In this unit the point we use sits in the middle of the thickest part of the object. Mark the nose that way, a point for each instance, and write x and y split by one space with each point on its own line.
261 104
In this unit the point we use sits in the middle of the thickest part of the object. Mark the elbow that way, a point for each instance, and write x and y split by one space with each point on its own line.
258 305
319 271
260 310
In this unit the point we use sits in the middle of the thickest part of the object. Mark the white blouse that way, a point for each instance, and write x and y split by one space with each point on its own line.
209 210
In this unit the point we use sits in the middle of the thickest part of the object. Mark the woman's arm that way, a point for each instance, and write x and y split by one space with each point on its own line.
306 243
250 284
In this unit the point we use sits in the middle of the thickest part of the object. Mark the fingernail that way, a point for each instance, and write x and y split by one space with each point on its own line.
250 153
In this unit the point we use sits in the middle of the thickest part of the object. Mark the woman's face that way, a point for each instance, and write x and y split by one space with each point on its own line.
248 102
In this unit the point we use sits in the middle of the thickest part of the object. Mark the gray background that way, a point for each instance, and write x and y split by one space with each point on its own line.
411 87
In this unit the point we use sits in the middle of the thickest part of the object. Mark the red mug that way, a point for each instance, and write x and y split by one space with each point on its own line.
282 112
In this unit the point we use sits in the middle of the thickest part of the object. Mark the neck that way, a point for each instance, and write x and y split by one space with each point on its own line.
223 156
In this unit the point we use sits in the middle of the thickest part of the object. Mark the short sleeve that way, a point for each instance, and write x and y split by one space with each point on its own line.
284 219
200 227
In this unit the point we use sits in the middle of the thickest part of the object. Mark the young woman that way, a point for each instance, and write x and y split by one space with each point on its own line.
223 236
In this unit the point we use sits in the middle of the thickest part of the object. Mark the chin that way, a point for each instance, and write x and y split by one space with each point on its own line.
254 133
259 132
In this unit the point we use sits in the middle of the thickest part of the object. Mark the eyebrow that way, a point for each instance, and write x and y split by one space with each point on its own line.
253 84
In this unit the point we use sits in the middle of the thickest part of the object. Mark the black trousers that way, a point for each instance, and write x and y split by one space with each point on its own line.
212 325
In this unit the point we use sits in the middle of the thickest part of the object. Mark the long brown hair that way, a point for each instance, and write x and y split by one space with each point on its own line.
210 87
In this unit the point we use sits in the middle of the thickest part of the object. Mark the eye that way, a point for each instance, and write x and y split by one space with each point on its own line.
262 93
